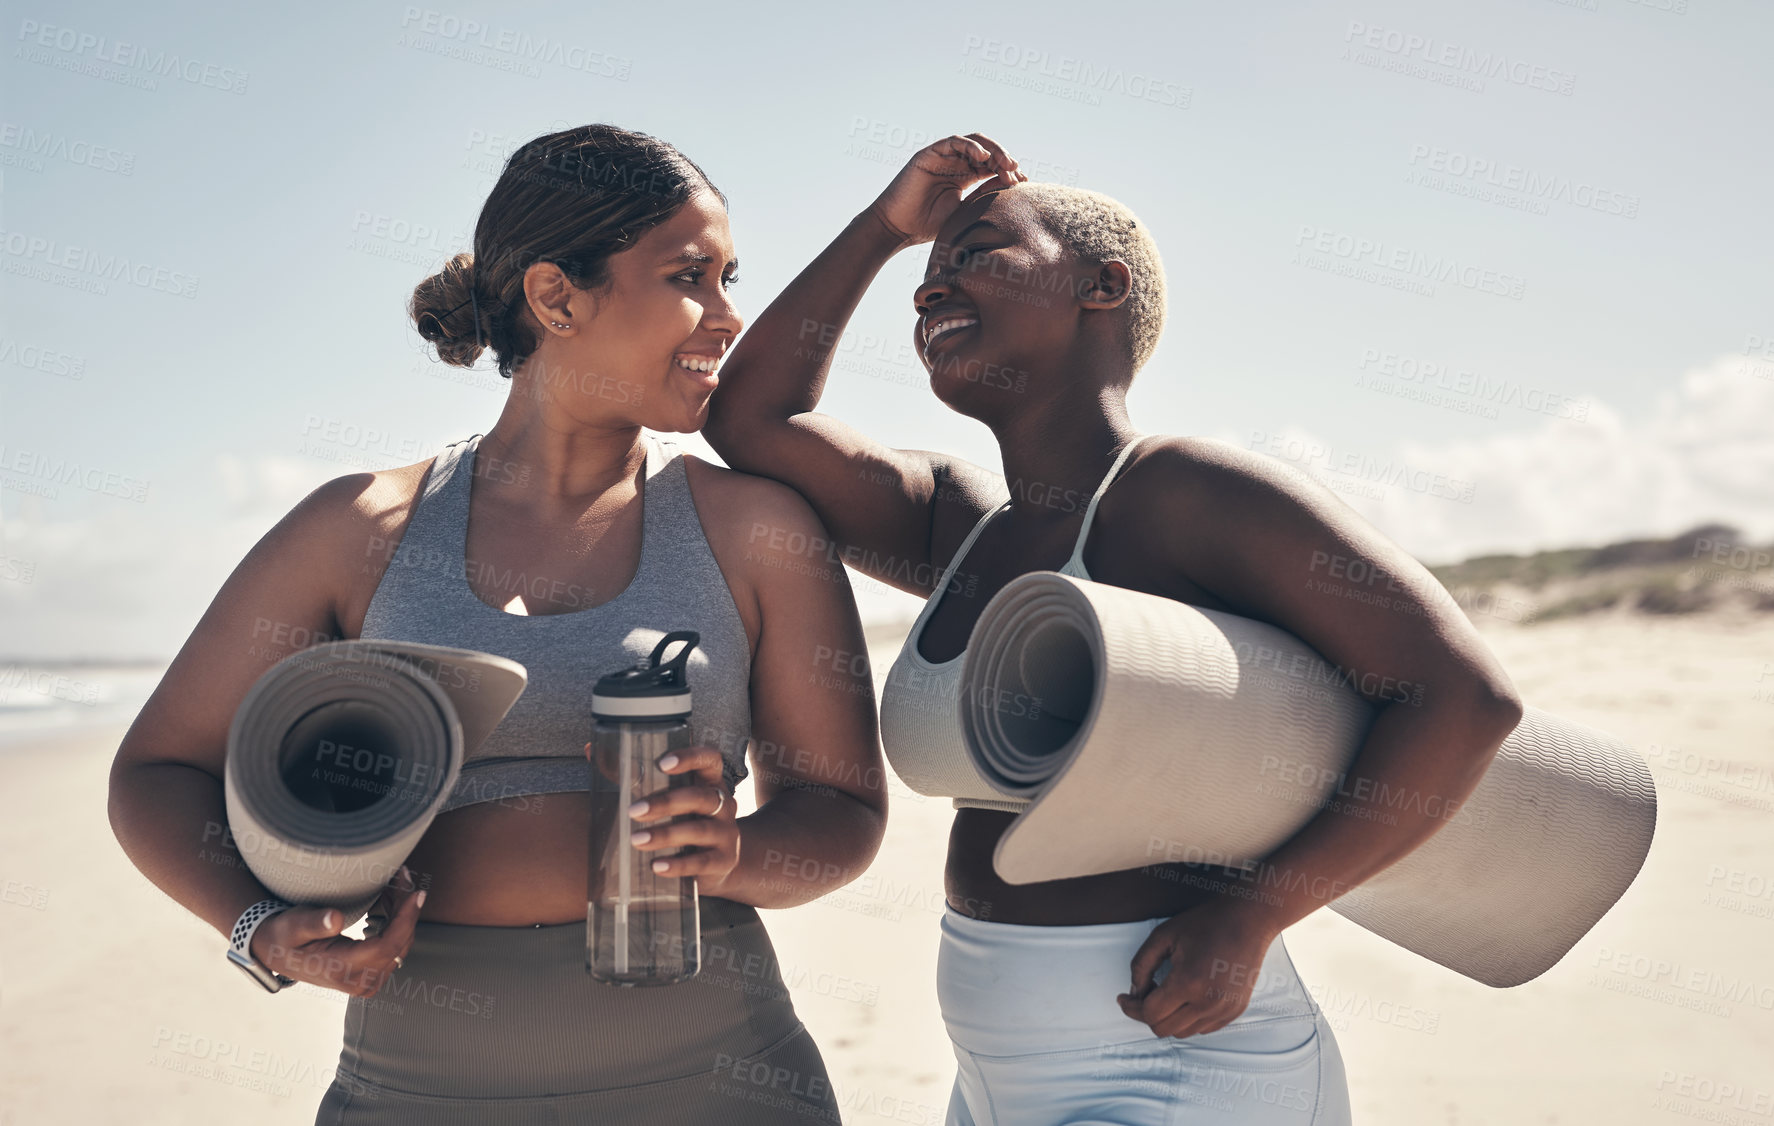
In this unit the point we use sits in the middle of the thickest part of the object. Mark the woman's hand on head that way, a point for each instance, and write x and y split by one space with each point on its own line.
705 820
305 943
932 183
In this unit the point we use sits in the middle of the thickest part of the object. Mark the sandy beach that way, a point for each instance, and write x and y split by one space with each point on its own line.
115 1004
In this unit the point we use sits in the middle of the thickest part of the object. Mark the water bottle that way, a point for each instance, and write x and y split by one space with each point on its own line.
641 928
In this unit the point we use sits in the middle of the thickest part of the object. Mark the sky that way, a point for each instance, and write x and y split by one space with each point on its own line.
1498 274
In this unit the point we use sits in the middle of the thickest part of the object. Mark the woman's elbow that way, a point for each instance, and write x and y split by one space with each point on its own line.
117 793
1503 702
1493 708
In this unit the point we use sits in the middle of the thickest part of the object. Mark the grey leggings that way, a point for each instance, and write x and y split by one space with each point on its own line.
492 1025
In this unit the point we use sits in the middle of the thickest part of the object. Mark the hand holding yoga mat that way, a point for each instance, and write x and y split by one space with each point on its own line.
341 754
1213 738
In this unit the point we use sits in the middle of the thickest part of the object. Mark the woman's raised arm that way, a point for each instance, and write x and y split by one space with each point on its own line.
875 500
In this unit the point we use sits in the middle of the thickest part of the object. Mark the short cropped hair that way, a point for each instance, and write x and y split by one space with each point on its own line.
1096 228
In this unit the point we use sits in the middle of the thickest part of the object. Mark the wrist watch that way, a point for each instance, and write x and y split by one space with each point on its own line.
240 948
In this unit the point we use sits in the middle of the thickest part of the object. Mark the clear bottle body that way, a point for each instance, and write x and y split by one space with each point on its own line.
641 928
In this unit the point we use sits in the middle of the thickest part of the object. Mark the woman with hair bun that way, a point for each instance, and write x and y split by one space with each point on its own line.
571 540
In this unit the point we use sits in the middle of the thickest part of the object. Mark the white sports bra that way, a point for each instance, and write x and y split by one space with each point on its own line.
920 720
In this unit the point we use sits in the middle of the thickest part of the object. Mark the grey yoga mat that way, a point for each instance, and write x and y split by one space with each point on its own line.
1146 731
341 754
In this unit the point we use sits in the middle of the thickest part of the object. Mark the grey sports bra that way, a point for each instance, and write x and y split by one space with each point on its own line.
539 747
920 720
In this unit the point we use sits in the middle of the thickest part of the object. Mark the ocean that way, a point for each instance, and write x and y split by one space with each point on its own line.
39 698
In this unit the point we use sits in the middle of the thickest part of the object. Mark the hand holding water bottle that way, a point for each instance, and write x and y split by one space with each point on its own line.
661 822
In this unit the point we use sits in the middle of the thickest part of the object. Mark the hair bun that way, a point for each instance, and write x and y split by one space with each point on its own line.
449 313
574 198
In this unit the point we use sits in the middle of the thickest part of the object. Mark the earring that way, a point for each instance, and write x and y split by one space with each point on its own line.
557 324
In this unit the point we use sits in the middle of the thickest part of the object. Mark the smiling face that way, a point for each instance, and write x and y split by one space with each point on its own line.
646 345
998 304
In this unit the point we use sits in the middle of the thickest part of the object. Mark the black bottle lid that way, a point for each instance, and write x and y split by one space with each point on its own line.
650 690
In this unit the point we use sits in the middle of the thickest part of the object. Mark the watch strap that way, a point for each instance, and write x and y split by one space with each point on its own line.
240 946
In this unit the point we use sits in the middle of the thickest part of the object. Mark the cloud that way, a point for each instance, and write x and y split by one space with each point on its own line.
127 580
270 484
1705 452
131 580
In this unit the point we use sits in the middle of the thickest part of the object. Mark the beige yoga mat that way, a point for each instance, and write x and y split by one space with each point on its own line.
341 754
1146 731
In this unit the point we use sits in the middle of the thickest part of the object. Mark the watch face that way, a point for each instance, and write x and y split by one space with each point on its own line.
271 982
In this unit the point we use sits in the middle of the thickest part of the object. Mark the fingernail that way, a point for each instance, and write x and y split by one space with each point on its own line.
641 837
661 865
668 762
637 809
420 899
326 920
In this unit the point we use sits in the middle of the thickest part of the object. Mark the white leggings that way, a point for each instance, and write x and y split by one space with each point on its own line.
1040 1041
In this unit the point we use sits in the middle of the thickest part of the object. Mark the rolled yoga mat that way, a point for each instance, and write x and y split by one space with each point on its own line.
1146 731
341 754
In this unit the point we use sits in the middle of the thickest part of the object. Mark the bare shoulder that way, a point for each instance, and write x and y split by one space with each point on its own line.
970 489
740 507
1182 457
358 519
765 536
1203 475
964 493
305 580
1200 506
